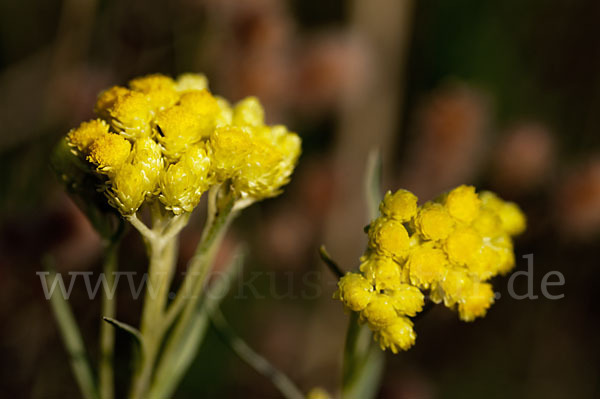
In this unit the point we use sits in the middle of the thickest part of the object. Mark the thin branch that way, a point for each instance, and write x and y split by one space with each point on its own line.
281 381
73 341
335 269
141 227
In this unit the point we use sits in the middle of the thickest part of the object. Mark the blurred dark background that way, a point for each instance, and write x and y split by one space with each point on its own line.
504 95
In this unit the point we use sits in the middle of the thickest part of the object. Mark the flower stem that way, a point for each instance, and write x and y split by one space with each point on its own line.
162 263
363 362
186 303
107 332
73 341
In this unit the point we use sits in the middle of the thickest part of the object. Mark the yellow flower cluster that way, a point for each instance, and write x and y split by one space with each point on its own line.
171 140
445 249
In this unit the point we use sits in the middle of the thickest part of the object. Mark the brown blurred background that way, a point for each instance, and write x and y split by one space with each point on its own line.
504 95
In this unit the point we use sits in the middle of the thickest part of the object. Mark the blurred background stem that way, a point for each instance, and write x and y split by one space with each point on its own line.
107 331
73 341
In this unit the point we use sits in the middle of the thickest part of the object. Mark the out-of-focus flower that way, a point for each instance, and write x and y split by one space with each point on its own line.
450 137
523 158
447 249
577 201
318 393
172 140
261 53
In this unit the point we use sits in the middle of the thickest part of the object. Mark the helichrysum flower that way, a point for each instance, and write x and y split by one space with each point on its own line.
445 250
167 140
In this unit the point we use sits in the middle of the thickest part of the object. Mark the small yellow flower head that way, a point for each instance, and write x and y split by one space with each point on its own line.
455 286
354 291
456 244
131 114
159 89
407 299
476 302
433 222
486 263
109 151
178 128
201 103
257 160
231 147
389 238
149 83
191 81
462 245
82 137
513 220
148 157
401 205
487 223
184 182
248 112
426 265
397 336
129 189
380 311
504 248
382 272
225 116
463 203
107 99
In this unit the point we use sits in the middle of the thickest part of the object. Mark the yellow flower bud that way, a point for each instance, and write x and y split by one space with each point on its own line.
476 302
487 223
486 263
401 205
389 238
249 111
258 160
82 137
203 104
382 272
109 151
183 183
354 291
462 245
179 127
107 99
513 220
129 189
148 156
131 114
380 311
225 116
503 245
463 203
191 81
433 222
426 266
455 286
397 336
407 300
151 83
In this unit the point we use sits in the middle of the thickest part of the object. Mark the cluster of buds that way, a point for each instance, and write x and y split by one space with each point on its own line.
171 140
445 250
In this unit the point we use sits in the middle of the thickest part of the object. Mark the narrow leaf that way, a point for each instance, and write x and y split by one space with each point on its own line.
73 341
